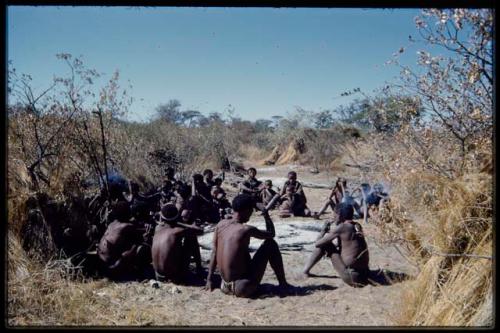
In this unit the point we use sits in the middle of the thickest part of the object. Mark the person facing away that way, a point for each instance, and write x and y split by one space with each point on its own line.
170 251
123 248
241 274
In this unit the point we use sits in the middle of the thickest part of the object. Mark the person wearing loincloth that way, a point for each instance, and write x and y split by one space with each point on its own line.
241 274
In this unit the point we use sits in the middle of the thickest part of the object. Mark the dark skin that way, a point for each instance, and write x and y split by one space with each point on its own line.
292 180
170 255
251 175
231 256
334 198
354 251
293 203
119 247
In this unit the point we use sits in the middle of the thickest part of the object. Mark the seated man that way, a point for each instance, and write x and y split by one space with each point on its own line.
123 248
292 180
364 189
292 203
252 186
334 198
268 194
171 248
219 198
166 193
201 202
208 177
346 247
374 199
182 194
241 274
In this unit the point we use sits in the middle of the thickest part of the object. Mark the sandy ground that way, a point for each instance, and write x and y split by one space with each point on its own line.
323 300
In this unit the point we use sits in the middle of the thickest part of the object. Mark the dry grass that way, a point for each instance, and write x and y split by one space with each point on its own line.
434 216
41 295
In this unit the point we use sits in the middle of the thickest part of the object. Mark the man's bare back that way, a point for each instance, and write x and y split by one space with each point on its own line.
241 274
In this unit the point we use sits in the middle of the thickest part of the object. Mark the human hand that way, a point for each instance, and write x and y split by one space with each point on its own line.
209 286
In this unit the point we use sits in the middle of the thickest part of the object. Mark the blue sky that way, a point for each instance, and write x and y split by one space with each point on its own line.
262 61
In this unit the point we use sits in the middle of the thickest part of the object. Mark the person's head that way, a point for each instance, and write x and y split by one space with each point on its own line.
292 175
169 173
166 186
365 187
134 187
169 213
183 190
243 205
346 212
139 210
378 188
186 215
290 189
252 172
218 182
208 174
120 211
268 183
197 178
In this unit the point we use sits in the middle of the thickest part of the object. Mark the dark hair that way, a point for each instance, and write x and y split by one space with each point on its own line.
292 173
197 177
134 186
218 181
120 211
208 171
243 202
169 213
268 182
252 169
169 172
346 212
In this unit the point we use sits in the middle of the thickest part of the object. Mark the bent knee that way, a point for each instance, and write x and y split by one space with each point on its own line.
271 243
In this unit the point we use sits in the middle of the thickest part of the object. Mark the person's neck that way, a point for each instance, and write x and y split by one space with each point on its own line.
237 218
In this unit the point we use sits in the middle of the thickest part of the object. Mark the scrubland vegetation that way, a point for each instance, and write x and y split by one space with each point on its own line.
429 136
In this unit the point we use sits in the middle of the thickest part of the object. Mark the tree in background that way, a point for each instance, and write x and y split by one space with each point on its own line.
456 90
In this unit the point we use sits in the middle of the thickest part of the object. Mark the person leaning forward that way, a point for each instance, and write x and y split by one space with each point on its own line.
346 246
171 251
242 274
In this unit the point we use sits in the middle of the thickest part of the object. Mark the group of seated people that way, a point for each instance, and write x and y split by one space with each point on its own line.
291 199
164 242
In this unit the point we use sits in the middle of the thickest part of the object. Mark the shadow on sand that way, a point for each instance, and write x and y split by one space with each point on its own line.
267 290
382 277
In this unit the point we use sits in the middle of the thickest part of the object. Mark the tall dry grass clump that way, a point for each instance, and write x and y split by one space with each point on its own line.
446 224
454 286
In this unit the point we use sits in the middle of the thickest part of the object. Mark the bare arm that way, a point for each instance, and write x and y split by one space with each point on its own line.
261 234
328 237
191 229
